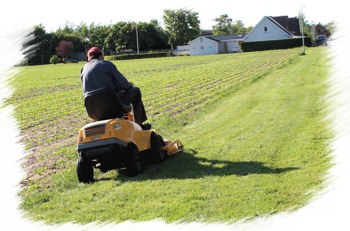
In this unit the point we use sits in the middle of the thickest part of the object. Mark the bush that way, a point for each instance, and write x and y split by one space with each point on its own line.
108 57
274 44
55 59
138 56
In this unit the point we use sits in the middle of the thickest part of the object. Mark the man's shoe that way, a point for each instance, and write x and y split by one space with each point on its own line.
146 126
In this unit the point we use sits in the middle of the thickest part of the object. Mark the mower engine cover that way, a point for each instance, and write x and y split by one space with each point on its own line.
113 132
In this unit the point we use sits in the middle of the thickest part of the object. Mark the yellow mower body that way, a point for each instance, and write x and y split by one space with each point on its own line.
118 131
118 143
114 140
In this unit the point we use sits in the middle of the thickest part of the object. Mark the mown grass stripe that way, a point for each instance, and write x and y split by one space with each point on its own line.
255 142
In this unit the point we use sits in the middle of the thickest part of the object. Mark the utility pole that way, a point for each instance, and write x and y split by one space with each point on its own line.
137 40
302 28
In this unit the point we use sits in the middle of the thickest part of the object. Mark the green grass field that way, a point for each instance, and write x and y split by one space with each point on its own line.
253 126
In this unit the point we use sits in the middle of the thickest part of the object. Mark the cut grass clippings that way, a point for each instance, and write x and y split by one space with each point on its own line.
260 149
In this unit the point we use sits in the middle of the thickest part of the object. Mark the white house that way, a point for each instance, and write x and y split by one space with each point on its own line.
205 45
274 28
181 50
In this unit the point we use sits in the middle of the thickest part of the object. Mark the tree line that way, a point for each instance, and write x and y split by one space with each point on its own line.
64 44
71 42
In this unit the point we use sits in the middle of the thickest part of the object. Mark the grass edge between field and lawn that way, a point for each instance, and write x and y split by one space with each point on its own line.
250 167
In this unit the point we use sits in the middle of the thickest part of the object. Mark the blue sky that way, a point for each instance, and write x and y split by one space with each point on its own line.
53 14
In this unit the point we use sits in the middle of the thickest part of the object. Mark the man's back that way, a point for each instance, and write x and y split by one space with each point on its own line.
98 74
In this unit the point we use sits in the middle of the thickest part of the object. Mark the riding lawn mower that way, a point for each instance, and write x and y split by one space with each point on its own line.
115 141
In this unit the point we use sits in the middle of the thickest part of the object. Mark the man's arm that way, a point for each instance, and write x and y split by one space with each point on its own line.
119 81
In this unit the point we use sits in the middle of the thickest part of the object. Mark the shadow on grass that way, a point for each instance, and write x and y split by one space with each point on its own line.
186 166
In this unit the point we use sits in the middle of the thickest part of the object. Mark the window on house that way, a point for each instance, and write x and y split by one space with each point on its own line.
265 28
202 47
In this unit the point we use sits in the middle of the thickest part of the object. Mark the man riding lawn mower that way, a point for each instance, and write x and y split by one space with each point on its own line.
116 140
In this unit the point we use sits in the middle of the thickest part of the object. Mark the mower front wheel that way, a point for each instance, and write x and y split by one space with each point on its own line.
133 161
158 154
85 171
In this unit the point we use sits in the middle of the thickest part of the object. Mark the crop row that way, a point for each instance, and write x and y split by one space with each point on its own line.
169 85
178 90
49 103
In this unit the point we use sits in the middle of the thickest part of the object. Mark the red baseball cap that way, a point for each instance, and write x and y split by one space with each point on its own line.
94 51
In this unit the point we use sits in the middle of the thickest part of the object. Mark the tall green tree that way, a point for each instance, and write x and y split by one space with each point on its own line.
238 28
157 35
111 38
82 31
223 25
181 25
38 48
150 36
68 28
98 35
116 39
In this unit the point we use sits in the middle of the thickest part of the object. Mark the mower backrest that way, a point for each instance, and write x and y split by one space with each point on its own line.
104 104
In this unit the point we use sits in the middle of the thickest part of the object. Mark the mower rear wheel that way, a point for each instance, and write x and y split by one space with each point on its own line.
85 171
158 154
133 161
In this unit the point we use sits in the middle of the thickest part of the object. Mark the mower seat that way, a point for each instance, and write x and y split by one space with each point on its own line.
105 103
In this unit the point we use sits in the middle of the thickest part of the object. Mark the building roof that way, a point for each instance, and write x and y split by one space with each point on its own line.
225 37
290 24
277 24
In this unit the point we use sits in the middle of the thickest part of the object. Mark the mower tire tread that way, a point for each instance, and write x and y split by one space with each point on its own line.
133 161
158 154
85 171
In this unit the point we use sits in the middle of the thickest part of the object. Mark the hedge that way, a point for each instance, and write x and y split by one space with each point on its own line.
137 56
275 44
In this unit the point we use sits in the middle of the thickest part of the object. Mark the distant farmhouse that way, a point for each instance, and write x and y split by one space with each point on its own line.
275 33
219 44
274 28
212 44
269 33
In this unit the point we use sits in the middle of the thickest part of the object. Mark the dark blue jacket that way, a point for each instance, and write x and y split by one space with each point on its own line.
98 74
